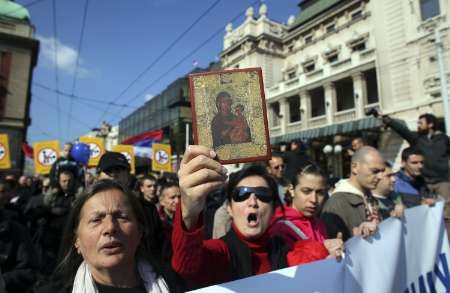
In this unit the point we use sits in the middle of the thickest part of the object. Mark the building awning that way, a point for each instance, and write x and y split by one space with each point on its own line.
346 127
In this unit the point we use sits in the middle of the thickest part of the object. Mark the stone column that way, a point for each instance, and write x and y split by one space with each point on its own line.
360 93
305 108
330 101
284 114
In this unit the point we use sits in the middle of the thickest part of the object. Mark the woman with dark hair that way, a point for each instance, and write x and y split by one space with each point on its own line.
301 221
106 246
247 249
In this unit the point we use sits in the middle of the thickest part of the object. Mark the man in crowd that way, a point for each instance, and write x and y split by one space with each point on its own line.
66 162
168 200
275 167
18 262
435 147
115 166
357 143
351 208
147 188
389 203
296 159
410 183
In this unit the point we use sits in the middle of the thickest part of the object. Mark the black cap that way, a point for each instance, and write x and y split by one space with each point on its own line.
111 160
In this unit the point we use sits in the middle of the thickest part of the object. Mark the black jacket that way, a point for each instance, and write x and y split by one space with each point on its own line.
18 260
436 150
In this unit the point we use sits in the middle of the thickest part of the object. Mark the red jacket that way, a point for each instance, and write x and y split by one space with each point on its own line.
313 228
206 262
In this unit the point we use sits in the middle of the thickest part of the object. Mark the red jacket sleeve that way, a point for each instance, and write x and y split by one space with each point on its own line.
200 262
305 251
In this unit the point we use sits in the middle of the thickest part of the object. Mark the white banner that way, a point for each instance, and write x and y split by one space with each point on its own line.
405 256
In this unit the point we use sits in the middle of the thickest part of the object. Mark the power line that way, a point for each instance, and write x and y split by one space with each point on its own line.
174 42
80 45
72 96
54 107
55 44
219 31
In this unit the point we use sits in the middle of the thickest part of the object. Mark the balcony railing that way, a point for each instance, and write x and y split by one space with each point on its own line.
317 121
344 116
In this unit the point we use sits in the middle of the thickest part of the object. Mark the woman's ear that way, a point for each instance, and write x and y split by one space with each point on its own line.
290 189
229 208
77 246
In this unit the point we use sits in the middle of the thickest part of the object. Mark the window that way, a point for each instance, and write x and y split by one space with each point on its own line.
294 108
310 67
372 86
330 28
5 67
344 94
275 111
308 39
429 8
332 58
317 102
356 15
359 47
291 74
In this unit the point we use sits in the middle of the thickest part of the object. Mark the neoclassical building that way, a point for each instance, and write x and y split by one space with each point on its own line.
337 59
18 57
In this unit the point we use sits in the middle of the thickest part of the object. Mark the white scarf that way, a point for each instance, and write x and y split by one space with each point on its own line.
84 283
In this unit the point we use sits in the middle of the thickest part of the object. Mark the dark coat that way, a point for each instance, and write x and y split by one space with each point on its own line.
18 260
436 150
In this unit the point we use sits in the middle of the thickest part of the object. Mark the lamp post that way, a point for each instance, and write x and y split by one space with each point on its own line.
334 159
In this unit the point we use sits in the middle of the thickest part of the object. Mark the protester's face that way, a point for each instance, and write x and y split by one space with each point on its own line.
108 233
369 172
387 182
169 199
23 181
309 194
148 189
89 178
357 144
423 126
66 150
414 165
276 167
29 181
251 216
65 181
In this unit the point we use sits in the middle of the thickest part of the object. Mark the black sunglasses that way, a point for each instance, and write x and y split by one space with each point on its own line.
242 193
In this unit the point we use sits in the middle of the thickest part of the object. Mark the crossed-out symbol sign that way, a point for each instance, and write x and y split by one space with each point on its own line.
127 155
47 156
161 157
95 150
2 151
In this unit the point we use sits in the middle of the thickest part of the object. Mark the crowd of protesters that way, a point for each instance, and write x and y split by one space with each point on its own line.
106 230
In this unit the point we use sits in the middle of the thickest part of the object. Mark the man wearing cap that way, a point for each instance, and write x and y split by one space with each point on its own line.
114 166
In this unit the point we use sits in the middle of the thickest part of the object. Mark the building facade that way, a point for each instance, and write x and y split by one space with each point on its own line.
18 57
337 59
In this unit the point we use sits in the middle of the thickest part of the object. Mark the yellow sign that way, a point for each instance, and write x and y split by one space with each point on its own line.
96 147
162 157
45 154
128 152
5 159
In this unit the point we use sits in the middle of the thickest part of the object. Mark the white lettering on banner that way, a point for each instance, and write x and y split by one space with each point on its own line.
410 255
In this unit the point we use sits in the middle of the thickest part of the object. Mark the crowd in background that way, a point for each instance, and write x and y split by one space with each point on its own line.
173 232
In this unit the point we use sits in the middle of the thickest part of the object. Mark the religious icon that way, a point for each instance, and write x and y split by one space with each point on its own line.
229 114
